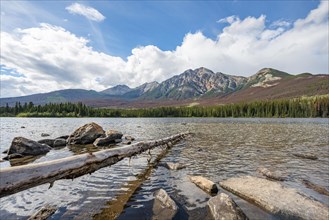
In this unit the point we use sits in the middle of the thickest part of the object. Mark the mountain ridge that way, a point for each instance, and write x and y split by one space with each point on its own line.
201 85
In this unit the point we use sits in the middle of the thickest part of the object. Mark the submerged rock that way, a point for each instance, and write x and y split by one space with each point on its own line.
271 175
44 134
223 207
315 187
276 198
174 166
24 146
63 137
44 213
86 134
204 184
306 156
129 138
163 207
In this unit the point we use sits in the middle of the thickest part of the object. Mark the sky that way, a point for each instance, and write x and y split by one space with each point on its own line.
53 45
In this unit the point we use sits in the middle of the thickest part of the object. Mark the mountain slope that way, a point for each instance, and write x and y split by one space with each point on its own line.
67 95
117 90
195 83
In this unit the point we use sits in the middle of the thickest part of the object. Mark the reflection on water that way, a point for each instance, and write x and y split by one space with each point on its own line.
220 148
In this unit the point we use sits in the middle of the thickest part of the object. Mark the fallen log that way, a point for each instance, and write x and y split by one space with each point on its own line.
19 178
276 198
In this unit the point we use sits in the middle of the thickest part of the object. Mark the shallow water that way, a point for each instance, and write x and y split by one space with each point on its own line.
219 149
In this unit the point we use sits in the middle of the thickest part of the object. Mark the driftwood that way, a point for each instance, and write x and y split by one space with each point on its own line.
19 178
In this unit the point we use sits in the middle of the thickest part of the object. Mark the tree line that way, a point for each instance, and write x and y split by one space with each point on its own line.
317 106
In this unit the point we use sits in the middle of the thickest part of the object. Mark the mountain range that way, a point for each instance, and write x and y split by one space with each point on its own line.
192 87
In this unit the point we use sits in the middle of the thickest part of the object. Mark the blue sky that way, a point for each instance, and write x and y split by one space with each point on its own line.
61 46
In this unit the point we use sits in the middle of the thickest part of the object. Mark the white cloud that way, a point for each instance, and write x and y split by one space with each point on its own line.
280 23
89 12
52 58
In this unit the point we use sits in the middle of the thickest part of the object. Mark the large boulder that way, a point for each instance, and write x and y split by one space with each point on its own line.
112 136
203 183
163 207
86 134
24 146
223 207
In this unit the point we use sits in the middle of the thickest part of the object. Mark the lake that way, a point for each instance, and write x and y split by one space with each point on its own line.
219 149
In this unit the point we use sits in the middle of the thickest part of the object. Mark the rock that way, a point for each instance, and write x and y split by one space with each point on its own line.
204 184
63 137
174 166
26 146
59 142
276 198
306 156
126 142
163 207
13 156
5 151
271 175
49 142
44 134
22 126
112 137
129 138
315 187
113 134
86 134
44 213
223 207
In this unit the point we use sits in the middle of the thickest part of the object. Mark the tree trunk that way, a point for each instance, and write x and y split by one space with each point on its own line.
19 178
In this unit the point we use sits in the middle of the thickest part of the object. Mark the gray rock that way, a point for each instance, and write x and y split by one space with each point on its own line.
163 207
63 137
223 207
204 184
49 142
129 138
271 175
306 156
174 166
112 137
86 134
13 156
127 142
22 126
44 213
276 198
113 134
5 151
44 134
26 146
59 142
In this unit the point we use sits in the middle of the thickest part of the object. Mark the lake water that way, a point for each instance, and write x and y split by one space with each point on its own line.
219 149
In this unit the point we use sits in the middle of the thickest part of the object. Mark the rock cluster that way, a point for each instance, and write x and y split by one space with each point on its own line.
90 133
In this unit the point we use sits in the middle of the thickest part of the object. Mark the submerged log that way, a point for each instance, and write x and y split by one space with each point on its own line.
276 198
306 156
16 179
